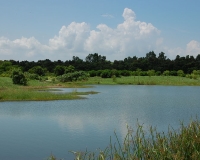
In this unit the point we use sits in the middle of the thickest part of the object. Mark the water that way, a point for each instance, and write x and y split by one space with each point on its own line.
34 130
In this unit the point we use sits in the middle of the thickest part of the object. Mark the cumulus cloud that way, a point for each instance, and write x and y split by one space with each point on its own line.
129 38
193 48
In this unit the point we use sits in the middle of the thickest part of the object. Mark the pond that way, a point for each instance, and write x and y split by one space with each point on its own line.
34 130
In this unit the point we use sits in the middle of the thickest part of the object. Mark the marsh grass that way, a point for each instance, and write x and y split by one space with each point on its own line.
36 91
181 144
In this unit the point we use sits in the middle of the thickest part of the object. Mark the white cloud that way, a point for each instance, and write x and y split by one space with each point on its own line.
175 51
129 38
193 48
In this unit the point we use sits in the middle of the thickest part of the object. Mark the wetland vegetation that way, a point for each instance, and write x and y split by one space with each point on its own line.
138 143
32 91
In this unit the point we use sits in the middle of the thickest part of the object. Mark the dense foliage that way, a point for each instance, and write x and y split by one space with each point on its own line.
97 65
18 77
97 62
74 76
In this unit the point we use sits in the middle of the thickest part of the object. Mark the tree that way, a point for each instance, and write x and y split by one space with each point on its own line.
69 69
59 70
37 70
5 66
18 77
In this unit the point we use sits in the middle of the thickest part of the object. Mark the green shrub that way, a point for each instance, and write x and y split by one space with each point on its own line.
32 76
18 77
93 73
106 73
37 70
69 77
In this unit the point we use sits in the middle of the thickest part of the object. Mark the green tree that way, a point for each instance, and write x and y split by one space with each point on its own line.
37 70
18 77
59 70
69 69
5 66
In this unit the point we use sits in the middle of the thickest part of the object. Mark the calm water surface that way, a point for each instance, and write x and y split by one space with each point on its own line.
34 130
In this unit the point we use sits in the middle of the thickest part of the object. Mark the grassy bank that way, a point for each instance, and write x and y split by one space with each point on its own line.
146 80
138 144
11 92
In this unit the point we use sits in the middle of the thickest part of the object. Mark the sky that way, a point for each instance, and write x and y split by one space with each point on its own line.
60 29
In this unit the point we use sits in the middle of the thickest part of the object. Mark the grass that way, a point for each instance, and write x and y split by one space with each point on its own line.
31 92
11 92
181 144
146 80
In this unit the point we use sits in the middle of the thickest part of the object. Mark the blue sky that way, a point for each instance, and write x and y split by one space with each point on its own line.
60 29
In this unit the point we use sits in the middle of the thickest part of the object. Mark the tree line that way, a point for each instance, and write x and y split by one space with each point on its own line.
97 64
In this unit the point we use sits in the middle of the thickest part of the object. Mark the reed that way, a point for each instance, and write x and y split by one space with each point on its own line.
139 144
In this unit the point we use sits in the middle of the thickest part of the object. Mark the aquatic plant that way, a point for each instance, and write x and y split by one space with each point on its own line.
181 144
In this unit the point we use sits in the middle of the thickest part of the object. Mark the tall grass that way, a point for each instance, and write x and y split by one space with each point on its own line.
182 144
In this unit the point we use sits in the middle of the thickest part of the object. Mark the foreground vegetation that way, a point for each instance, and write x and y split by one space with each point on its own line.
182 144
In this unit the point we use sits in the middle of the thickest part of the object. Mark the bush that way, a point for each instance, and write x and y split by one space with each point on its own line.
125 73
69 77
93 73
32 76
37 70
59 70
106 73
18 77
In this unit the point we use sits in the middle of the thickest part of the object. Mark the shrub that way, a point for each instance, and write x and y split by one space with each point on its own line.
32 76
106 73
93 73
125 73
18 77
37 70
69 77
59 70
